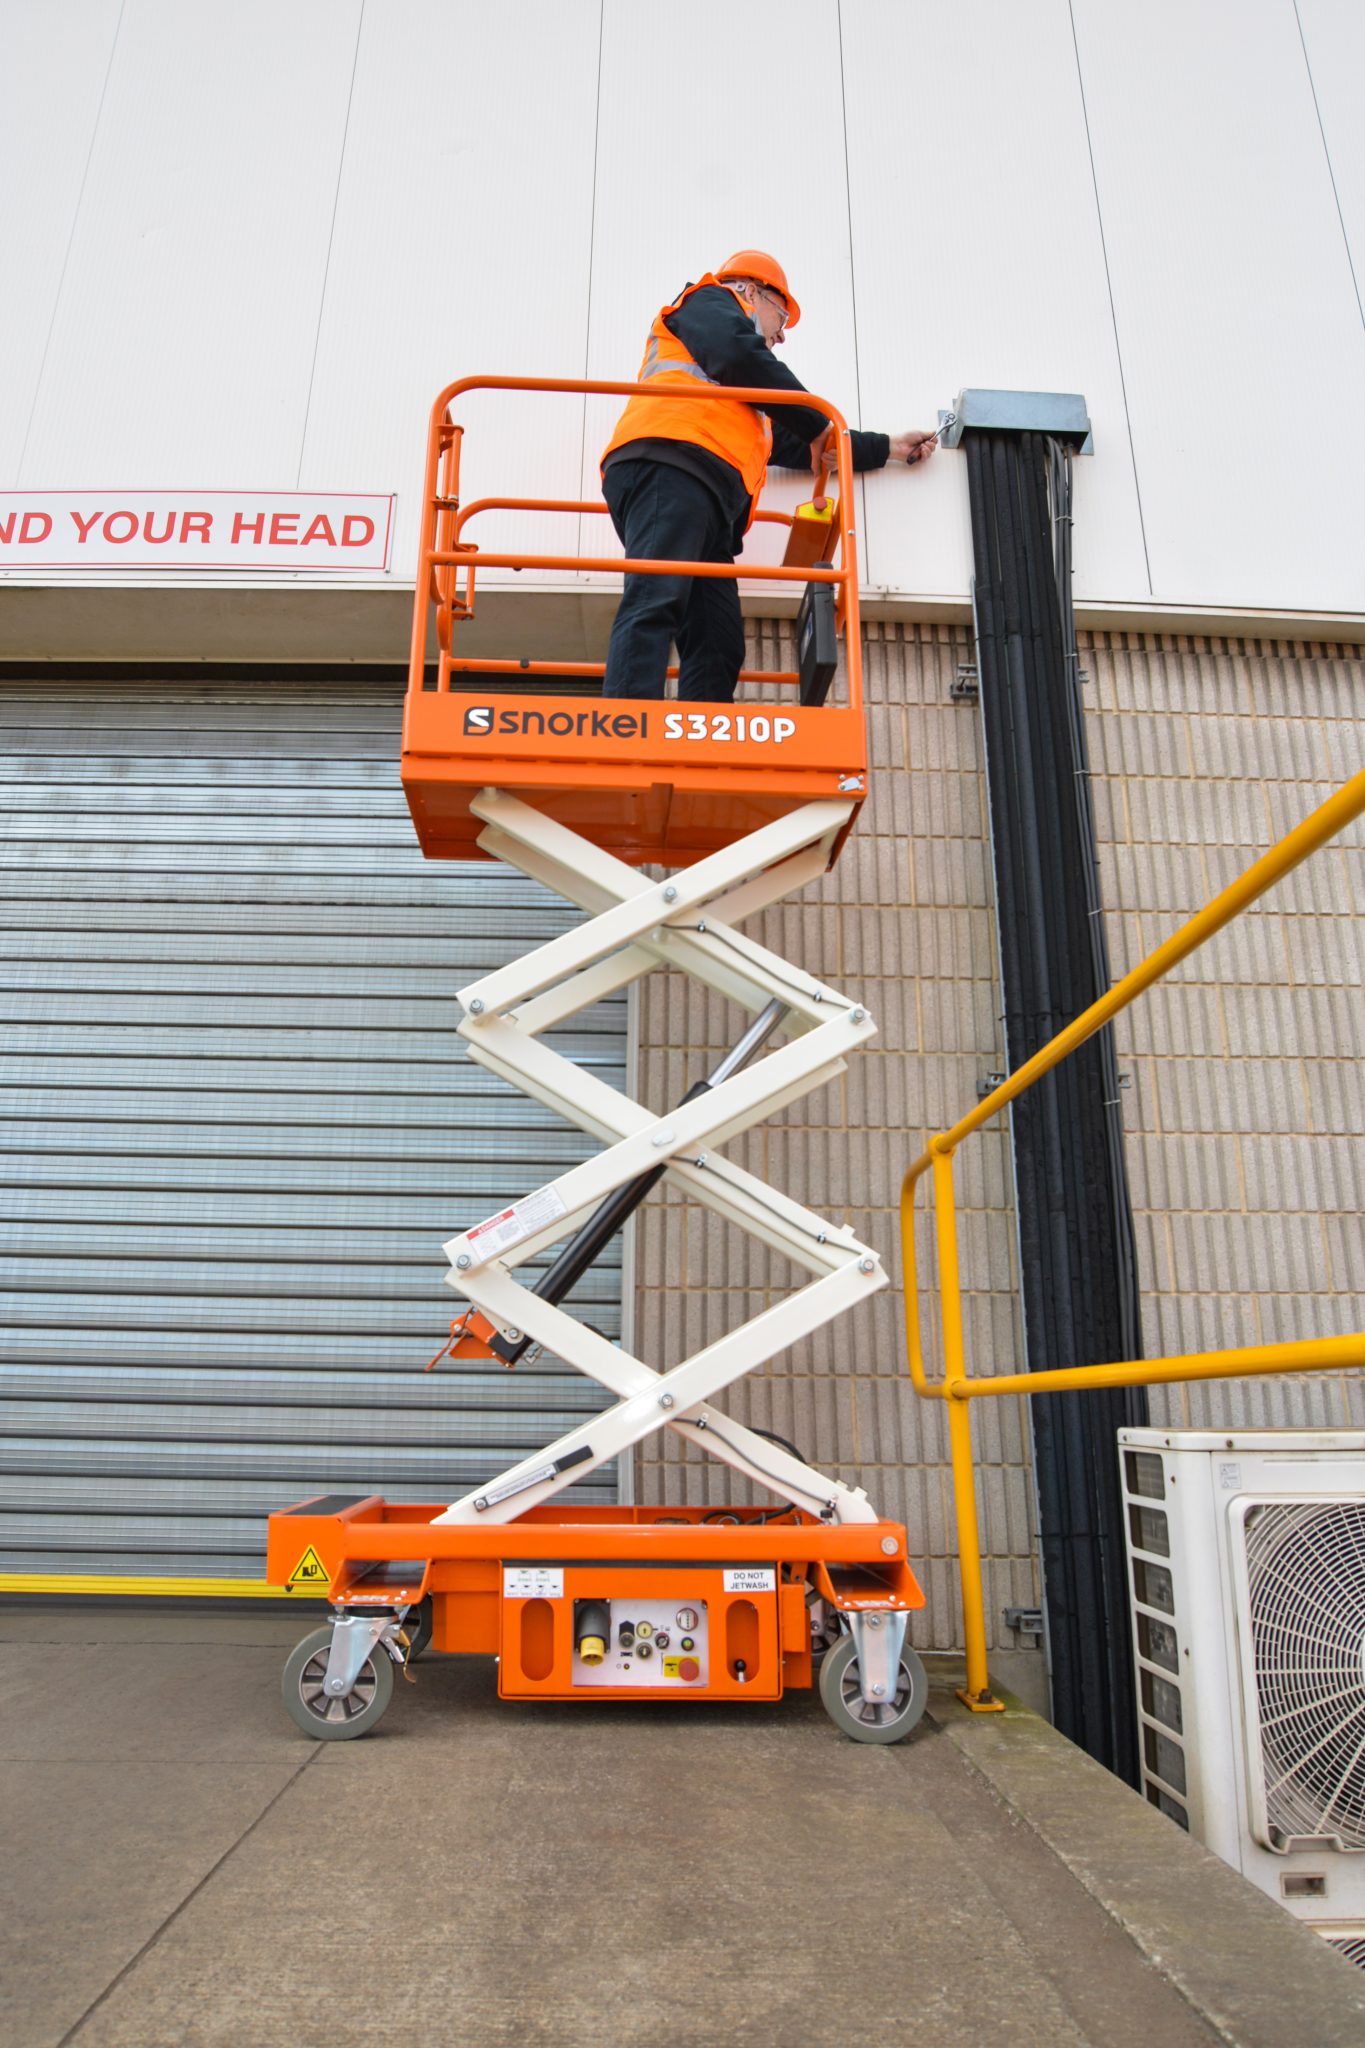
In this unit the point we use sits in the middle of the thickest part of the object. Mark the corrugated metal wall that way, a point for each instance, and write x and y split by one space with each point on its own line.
236 1126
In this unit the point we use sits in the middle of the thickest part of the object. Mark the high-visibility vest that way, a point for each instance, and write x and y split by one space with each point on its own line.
737 432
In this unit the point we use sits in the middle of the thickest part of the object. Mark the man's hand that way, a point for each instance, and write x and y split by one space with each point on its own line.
824 462
913 446
822 452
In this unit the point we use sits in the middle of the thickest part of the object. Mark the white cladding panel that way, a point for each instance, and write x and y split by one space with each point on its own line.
979 262
264 237
717 134
1243 352
461 246
51 80
183 341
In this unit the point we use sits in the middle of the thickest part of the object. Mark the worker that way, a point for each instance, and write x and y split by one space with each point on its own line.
682 479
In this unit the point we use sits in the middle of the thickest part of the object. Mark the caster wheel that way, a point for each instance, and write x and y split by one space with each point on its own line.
334 1720
864 1721
418 1626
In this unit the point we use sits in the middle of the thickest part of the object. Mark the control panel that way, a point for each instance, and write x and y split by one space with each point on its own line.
640 1642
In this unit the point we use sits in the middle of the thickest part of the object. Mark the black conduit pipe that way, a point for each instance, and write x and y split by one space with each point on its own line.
1078 1266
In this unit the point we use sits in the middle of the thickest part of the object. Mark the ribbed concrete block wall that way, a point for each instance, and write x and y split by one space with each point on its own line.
1245 1113
1246 1109
905 924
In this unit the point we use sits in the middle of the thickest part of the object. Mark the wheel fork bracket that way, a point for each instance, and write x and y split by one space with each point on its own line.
879 1635
354 1637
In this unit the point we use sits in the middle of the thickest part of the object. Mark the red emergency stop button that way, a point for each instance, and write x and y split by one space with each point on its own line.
688 1668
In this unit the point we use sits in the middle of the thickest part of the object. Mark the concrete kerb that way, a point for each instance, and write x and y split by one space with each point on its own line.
1246 1967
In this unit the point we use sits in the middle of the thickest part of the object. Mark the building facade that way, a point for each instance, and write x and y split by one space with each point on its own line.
260 240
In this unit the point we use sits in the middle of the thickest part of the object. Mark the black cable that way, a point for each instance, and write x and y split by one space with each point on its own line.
770 1514
1078 1264
783 1444
1126 1273
755 1521
736 945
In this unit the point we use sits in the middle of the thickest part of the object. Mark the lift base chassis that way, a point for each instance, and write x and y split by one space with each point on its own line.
602 1603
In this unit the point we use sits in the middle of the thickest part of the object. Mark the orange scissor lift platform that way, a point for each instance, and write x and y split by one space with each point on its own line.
654 782
744 803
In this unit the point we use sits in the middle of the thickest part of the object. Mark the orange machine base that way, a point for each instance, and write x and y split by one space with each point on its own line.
527 1591
650 781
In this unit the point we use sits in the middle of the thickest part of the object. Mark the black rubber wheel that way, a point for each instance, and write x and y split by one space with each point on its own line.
334 1720
417 1626
872 1721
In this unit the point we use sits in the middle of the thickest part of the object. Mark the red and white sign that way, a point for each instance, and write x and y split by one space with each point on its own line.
244 530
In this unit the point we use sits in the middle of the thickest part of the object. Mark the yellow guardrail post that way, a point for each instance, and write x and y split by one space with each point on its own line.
977 1692
910 1279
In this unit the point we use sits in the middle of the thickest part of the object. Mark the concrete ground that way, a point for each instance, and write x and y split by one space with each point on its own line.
184 1867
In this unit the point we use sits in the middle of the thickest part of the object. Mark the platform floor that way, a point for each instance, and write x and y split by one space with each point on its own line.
183 1867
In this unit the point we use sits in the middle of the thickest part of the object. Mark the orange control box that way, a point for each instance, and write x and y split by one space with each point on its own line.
736 1622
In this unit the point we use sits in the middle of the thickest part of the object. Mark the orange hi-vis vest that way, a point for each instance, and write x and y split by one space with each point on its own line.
737 432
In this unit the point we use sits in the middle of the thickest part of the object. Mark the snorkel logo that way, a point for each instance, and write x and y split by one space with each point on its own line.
481 721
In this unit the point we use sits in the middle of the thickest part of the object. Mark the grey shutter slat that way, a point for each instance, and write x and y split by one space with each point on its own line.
236 1127
86 1393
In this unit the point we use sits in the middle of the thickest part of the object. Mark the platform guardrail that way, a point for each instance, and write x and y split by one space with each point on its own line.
447 561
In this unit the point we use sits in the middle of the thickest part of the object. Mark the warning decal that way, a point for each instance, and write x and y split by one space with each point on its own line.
310 1571
498 1233
757 1578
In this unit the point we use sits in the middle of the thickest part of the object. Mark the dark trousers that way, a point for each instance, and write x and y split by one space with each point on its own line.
667 515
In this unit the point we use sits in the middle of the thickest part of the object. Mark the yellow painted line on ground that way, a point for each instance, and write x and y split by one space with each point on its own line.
170 1589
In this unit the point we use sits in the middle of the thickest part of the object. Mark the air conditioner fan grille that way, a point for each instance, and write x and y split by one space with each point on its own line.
1306 1578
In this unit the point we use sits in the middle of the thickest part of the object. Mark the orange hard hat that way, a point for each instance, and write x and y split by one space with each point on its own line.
765 269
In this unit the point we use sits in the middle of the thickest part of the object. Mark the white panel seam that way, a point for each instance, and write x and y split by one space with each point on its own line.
1327 154
331 239
848 205
1109 288
592 248
70 238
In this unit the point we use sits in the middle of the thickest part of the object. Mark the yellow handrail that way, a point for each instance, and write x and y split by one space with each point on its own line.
956 1388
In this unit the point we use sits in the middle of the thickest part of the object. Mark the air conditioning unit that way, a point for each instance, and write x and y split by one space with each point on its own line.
1246 1554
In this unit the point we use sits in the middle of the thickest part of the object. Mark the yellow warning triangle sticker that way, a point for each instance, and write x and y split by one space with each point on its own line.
310 1570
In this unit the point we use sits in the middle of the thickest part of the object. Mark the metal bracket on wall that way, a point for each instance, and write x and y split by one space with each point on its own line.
966 685
1025 1621
1061 414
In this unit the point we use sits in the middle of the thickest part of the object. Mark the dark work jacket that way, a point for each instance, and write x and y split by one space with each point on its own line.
721 338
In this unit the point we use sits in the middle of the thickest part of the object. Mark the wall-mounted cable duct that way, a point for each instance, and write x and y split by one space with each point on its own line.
1078 1262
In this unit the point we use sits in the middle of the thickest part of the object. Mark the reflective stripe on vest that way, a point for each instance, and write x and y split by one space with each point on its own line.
738 433
652 367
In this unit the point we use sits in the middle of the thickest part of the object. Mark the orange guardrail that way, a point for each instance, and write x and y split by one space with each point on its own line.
651 782
956 1388
447 563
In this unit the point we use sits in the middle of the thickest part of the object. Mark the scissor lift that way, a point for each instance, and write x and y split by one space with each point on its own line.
745 804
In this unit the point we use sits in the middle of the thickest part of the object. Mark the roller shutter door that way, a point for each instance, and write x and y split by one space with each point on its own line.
237 1125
